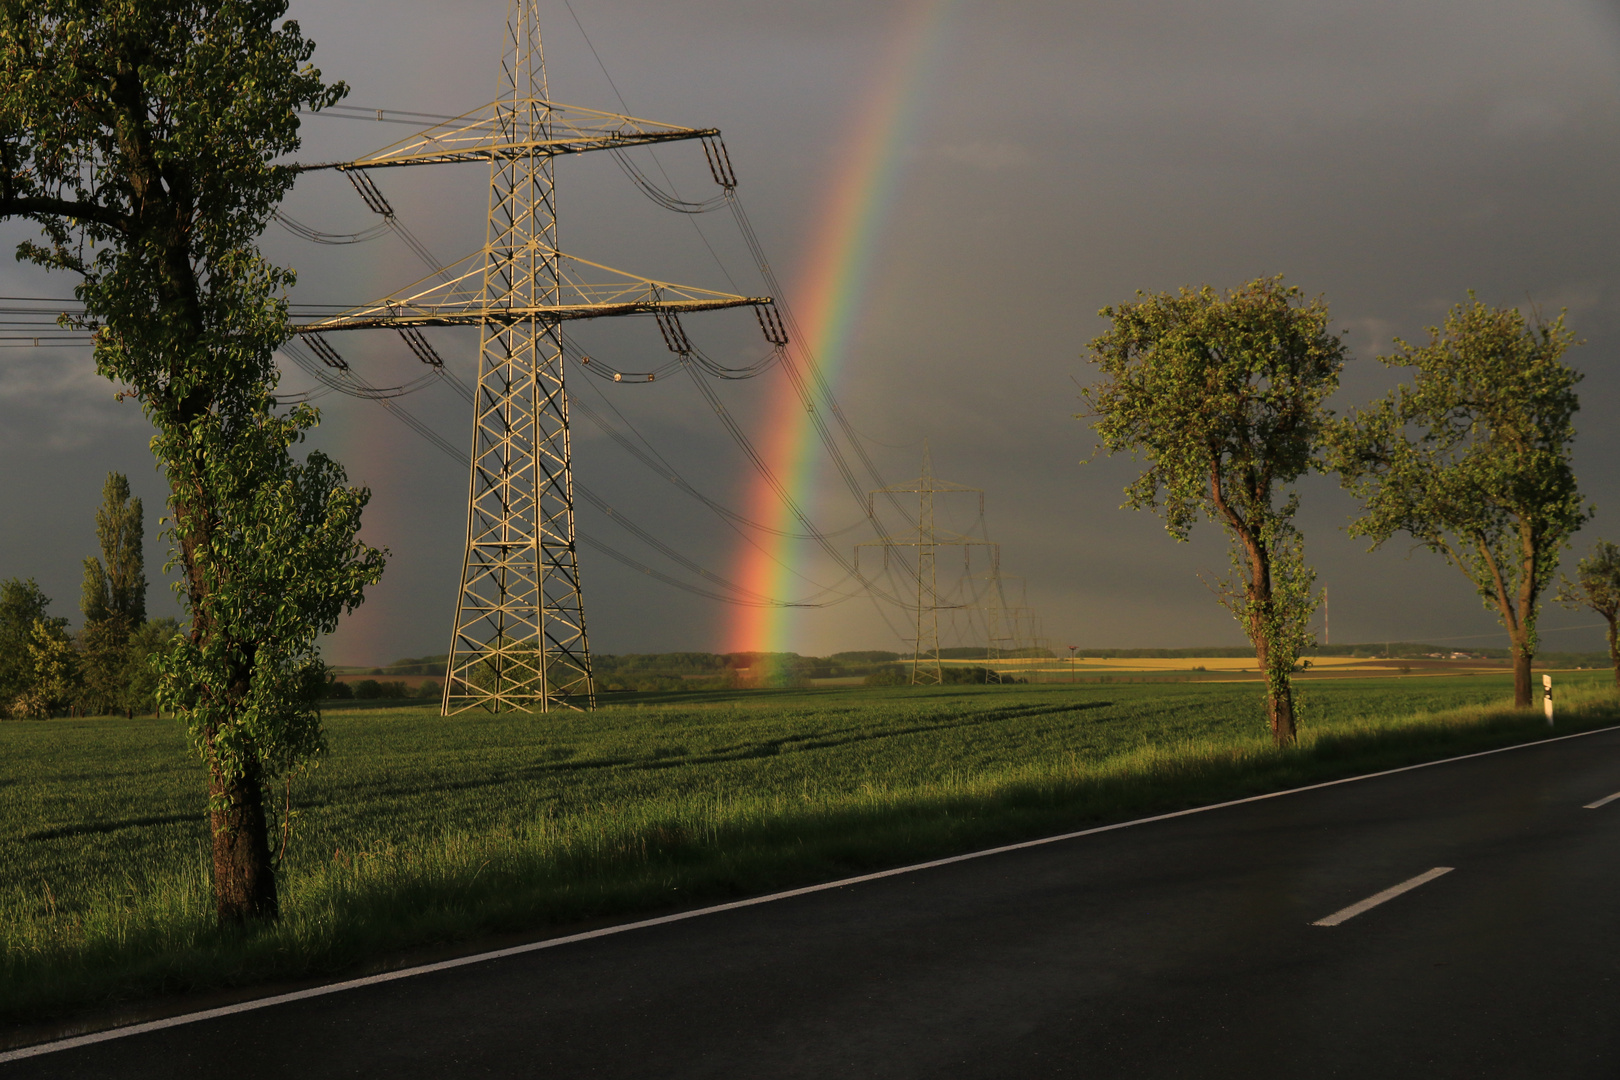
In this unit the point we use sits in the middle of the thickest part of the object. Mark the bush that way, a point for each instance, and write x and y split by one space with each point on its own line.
338 691
429 689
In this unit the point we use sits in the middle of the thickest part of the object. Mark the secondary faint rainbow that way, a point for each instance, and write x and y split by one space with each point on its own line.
370 445
831 285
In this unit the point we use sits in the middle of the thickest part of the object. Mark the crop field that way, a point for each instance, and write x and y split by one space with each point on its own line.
418 831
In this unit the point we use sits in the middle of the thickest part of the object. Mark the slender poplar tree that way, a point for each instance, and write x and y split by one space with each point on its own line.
113 600
115 583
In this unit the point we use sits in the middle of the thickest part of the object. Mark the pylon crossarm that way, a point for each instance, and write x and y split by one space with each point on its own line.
477 316
452 296
485 134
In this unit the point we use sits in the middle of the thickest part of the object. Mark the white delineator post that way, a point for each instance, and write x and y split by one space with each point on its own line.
1546 698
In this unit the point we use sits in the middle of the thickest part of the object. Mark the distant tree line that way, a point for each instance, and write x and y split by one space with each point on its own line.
105 668
695 670
900 675
720 671
650 672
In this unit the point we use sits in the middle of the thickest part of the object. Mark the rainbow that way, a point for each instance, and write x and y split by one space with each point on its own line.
832 284
369 444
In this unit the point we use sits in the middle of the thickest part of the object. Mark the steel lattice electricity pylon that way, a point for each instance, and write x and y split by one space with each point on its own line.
925 667
520 615
519 640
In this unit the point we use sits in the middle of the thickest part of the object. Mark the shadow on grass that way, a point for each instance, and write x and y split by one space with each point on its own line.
92 828
361 912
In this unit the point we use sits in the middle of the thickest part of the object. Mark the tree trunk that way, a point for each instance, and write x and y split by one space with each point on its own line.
1614 649
1281 704
244 877
1279 700
1521 675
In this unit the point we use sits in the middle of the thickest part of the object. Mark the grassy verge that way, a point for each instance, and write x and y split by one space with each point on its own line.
423 831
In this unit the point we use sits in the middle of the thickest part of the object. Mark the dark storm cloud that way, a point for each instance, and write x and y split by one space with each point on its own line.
1388 155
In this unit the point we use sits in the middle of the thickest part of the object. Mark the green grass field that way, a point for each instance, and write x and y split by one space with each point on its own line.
418 830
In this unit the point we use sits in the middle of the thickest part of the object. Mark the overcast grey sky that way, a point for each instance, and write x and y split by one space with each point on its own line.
1390 156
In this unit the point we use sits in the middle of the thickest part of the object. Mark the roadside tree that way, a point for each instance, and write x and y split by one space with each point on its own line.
1222 395
142 136
1472 459
1597 586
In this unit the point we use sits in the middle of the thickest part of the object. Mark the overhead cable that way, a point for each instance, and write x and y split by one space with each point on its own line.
774 482
344 381
299 229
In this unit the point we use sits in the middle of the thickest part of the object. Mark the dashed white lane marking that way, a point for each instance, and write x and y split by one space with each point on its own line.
1603 801
1378 898
662 920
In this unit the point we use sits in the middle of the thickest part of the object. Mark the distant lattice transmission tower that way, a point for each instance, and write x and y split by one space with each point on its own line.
925 666
519 640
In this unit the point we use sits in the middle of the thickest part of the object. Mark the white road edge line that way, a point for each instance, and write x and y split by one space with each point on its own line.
664 920
1378 898
1606 800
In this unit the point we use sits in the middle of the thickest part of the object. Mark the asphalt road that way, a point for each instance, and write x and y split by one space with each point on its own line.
1178 948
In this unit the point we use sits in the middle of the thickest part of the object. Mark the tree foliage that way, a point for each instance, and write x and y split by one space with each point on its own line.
1222 395
22 604
104 657
115 583
113 600
53 670
143 137
1597 586
1472 459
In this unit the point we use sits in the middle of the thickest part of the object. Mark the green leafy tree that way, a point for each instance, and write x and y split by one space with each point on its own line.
53 671
1222 395
143 136
115 583
1472 460
22 603
1597 586
150 641
103 648
113 600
